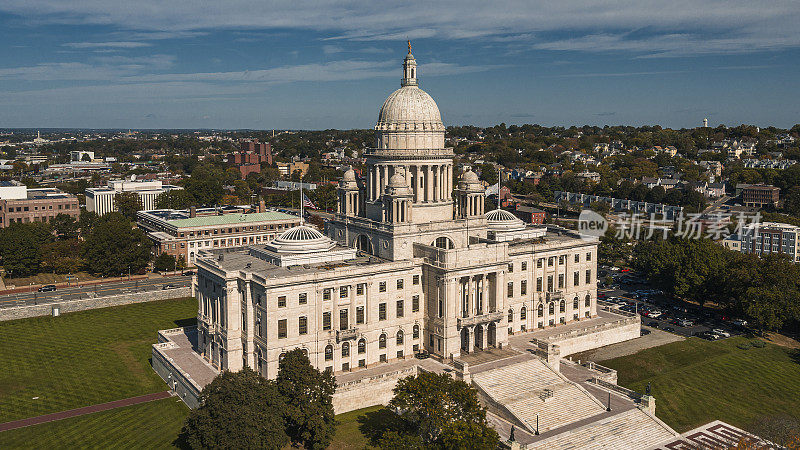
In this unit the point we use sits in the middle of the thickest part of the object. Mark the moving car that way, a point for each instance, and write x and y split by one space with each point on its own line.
47 288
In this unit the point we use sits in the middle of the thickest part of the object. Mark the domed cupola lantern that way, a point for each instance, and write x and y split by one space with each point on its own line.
349 195
469 196
397 199
409 69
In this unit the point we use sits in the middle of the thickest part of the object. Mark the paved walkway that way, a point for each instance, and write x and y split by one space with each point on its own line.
85 410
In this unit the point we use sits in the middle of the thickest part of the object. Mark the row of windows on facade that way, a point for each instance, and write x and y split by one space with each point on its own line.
562 320
551 261
523 285
27 219
237 230
302 326
551 309
344 291
362 343
61 206
221 242
344 317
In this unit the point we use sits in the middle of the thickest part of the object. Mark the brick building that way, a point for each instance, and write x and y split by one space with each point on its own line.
759 194
18 204
250 156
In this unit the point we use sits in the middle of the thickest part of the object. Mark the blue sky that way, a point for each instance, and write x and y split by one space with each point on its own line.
315 65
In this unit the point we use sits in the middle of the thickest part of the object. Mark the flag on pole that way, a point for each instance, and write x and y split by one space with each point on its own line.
307 203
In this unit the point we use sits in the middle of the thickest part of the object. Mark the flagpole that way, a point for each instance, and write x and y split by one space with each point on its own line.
302 202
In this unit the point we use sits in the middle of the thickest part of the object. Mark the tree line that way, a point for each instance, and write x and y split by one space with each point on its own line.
764 290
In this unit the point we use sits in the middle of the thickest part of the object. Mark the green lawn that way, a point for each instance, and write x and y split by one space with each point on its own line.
696 381
53 364
148 425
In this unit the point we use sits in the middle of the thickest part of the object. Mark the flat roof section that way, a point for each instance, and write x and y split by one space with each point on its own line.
232 219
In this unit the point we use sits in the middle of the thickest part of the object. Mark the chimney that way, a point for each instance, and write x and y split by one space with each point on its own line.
261 206
192 211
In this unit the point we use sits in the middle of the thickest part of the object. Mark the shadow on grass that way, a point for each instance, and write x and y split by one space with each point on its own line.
375 423
795 356
185 322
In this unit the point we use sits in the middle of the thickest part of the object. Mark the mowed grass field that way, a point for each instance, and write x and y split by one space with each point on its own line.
697 381
53 364
148 425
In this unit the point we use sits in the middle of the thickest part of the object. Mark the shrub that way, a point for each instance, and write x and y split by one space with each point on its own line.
758 344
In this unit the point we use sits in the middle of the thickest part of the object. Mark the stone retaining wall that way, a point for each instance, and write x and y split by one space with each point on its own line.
367 392
46 309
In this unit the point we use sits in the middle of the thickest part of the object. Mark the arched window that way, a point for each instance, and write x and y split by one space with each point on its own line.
551 309
305 352
443 242
415 332
575 303
523 313
382 341
540 310
588 300
362 346
399 337
562 306
345 349
280 358
328 353
510 315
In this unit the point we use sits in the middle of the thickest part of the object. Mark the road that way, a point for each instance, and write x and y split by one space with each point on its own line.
98 290
712 207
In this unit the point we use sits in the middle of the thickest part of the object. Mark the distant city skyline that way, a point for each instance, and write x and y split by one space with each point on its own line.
245 65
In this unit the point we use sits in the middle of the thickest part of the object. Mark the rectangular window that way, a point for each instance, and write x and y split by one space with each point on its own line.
561 260
549 283
282 301
576 279
326 320
343 292
577 258
523 287
588 276
550 261
382 286
359 314
326 294
589 256
399 353
510 267
281 328
360 289
302 325
524 266
382 311
258 323
539 284
510 289
399 284
415 303
400 311
383 358
302 298
415 280
540 263
343 322
561 281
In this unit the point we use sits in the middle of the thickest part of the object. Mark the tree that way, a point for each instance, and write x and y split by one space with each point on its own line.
86 157
21 247
792 201
175 199
62 256
164 262
237 410
309 401
65 226
473 435
430 402
128 203
488 173
114 247
600 207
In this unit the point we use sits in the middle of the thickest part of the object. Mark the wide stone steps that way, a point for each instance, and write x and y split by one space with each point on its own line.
632 429
531 388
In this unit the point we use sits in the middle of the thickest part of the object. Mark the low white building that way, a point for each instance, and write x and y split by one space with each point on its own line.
101 200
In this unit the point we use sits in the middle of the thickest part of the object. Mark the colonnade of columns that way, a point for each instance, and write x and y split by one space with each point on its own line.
479 294
470 205
429 183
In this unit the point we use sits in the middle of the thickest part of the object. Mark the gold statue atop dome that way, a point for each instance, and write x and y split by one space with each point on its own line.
409 46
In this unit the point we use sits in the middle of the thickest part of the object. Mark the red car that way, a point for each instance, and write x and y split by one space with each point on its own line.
601 295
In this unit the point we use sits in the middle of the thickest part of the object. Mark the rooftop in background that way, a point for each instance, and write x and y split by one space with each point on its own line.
227 215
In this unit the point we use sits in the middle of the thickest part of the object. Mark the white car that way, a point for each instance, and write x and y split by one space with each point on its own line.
721 332
654 314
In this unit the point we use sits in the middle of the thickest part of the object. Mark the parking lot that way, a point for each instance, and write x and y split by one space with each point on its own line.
630 292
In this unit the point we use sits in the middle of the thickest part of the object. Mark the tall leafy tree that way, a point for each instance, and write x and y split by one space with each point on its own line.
114 247
21 247
309 401
175 199
238 410
65 226
430 403
128 203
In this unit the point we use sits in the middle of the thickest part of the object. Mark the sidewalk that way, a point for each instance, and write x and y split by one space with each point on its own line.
85 410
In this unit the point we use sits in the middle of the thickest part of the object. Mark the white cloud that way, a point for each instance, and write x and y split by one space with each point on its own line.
672 28
107 45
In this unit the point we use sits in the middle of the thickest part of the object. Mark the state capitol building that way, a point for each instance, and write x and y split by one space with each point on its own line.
410 263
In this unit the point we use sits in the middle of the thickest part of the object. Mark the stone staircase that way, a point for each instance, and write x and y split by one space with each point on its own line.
631 429
530 388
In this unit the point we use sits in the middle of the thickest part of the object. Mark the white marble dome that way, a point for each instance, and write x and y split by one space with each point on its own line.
502 220
300 239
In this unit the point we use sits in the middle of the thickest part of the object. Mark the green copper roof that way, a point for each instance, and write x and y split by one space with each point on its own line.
232 219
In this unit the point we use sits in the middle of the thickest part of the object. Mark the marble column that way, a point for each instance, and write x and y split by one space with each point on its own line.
435 178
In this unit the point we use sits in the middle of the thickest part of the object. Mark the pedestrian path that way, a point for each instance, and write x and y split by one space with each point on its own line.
84 410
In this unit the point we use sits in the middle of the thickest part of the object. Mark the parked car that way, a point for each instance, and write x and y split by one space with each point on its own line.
669 329
645 332
739 323
685 323
653 324
47 288
655 314
707 335
721 332
167 286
